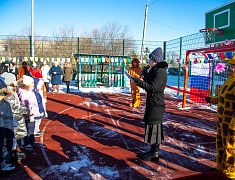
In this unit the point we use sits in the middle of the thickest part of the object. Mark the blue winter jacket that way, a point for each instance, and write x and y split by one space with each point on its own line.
55 78
6 120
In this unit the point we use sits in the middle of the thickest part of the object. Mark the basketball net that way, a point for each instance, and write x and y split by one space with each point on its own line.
209 34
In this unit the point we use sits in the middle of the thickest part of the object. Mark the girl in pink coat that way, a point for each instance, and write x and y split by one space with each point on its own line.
27 96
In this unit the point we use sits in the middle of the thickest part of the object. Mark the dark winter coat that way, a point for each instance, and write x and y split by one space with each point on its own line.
67 74
55 78
154 83
6 116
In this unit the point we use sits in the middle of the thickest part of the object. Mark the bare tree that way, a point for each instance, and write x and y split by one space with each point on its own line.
65 42
109 38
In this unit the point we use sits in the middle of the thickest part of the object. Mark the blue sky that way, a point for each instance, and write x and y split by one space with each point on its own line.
167 19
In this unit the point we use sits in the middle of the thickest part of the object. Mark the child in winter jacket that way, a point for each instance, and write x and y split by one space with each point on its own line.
19 111
29 97
6 127
41 89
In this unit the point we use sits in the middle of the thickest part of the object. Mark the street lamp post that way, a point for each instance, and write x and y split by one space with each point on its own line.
32 30
144 30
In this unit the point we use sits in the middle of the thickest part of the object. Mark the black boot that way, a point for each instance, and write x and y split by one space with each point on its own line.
145 153
153 154
150 157
13 156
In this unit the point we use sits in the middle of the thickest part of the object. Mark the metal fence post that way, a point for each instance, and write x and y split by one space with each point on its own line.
179 74
30 46
78 59
164 50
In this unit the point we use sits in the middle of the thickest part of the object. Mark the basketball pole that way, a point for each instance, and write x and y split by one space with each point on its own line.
144 31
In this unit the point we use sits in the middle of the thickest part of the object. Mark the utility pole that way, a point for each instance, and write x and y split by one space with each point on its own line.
144 30
32 30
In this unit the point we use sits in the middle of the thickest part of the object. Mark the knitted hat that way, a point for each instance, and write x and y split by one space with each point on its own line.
156 55
2 84
8 78
7 62
27 80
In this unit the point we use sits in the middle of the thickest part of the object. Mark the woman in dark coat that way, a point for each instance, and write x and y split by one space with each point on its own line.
154 83
55 73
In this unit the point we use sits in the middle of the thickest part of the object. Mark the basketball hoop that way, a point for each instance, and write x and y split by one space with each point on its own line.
210 33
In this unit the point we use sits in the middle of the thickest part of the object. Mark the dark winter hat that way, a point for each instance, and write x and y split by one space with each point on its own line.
156 55
7 62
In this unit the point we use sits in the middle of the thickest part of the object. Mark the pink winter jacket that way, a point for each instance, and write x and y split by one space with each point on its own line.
28 98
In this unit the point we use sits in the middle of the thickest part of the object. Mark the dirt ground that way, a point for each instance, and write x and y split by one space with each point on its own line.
99 136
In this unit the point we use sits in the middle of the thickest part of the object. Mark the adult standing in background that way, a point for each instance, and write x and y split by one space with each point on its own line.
13 69
135 70
45 74
55 73
24 70
154 83
67 75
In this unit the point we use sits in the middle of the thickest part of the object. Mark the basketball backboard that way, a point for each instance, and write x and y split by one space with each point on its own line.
222 18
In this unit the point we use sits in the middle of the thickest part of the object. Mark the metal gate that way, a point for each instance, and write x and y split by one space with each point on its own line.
98 71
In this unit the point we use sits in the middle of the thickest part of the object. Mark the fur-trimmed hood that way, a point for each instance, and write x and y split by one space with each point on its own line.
160 65
5 93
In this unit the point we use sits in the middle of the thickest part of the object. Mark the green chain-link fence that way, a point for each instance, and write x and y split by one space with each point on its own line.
73 49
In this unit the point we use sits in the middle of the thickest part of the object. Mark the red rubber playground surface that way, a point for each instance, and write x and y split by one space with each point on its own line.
98 136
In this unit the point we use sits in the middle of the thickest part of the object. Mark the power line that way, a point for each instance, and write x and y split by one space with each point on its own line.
154 2
169 26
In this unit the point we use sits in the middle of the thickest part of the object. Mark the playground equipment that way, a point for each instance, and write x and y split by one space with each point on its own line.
200 71
101 70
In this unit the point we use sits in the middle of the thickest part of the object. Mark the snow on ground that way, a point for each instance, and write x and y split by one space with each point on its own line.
73 169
